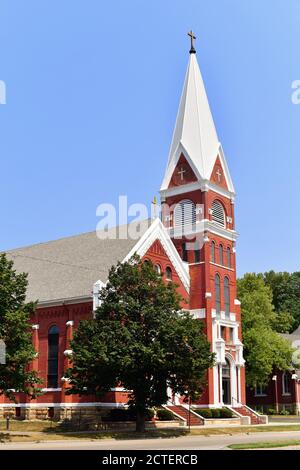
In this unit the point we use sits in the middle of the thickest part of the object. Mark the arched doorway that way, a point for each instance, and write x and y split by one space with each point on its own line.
226 383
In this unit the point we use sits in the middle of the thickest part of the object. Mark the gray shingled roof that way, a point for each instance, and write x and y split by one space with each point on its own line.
294 336
68 267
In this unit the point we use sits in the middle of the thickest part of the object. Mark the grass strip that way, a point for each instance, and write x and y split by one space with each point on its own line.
264 445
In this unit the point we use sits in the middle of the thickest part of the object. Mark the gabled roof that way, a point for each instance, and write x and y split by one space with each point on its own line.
195 134
68 267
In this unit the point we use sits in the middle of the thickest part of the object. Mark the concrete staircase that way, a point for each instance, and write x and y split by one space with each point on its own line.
254 417
183 413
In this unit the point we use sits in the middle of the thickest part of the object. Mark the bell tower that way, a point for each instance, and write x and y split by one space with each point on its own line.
197 196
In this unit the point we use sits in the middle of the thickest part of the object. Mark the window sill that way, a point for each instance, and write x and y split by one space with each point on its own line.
222 266
51 389
260 395
286 394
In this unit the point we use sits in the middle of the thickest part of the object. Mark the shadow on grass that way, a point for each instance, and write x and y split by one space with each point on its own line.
118 435
6 437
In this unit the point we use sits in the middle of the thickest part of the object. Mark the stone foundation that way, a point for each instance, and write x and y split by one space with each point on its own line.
55 413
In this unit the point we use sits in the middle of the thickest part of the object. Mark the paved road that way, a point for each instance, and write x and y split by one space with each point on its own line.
182 443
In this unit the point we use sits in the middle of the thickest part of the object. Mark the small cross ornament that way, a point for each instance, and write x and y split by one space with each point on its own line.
181 173
193 37
219 175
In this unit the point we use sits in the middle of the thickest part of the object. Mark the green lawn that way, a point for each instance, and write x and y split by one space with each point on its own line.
45 430
264 445
15 425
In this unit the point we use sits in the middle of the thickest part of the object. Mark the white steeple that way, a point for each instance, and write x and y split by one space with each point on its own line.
195 134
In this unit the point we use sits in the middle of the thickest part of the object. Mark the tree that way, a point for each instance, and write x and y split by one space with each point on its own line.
286 294
15 332
141 339
264 348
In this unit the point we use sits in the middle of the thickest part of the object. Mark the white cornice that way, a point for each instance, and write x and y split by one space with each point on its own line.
202 185
222 232
67 301
198 313
206 226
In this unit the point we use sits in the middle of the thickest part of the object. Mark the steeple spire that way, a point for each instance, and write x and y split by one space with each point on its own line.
195 135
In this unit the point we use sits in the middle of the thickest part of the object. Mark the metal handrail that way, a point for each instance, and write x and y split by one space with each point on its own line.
233 399
259 415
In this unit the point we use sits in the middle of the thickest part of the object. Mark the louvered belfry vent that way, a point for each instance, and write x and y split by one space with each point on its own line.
185 215
218 213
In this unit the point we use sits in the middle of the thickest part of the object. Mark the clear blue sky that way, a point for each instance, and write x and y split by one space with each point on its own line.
92 94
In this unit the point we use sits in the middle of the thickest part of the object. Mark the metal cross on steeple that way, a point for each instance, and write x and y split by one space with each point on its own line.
193 37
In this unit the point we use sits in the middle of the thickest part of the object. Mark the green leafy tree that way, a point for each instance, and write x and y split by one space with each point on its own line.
15 332
286 295
141 339
264 348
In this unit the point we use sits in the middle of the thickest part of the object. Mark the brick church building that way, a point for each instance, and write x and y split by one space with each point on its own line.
192 244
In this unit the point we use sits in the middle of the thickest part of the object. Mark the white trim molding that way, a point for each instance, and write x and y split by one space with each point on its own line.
58 389
68 352
63 405
198 313
157 231
65 379
98 285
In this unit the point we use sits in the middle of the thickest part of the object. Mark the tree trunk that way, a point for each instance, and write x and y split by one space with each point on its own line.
140 421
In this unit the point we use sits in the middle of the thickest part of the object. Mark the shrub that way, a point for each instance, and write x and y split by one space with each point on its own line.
271 411
284 412
149 414
215 413
118 414
204 412
121 414
165 415
225 413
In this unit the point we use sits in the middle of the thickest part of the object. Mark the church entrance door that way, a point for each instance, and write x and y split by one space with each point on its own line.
226 385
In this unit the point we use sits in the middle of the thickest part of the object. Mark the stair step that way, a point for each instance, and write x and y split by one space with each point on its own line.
184 413
245 412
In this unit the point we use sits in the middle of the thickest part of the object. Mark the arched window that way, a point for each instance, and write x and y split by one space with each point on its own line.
228 255
197 253
158 268
169 273
53 340
213 252
286 384
184 252
226 296
221 255
185 215
218 214
218 293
